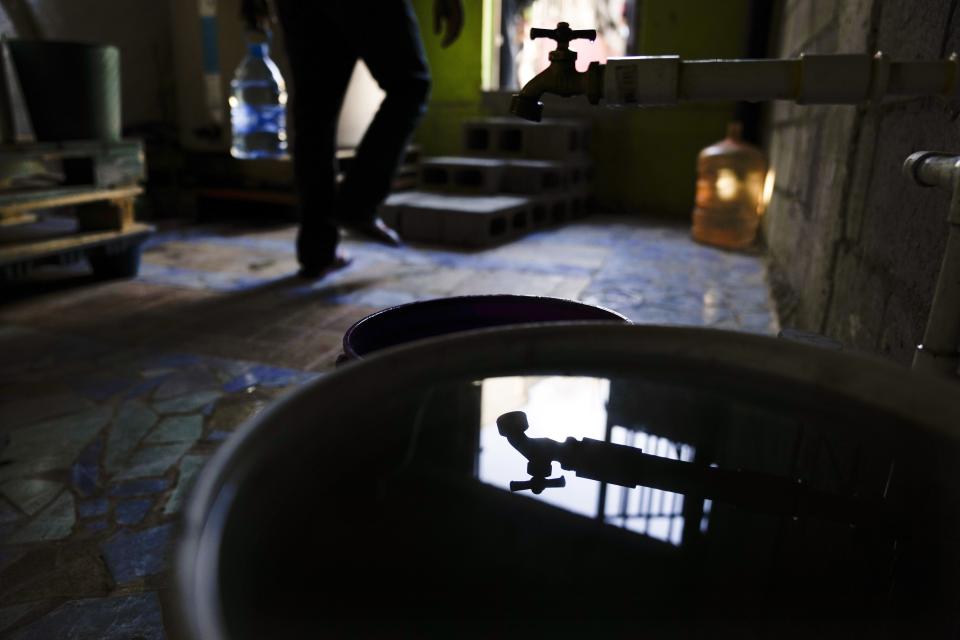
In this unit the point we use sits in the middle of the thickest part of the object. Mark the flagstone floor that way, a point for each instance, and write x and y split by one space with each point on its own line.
112 395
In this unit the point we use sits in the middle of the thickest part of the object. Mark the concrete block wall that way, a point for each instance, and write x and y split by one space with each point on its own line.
854 246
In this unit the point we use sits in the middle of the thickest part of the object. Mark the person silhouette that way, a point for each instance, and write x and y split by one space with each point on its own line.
324 40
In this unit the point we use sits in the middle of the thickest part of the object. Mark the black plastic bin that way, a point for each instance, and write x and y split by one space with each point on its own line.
72 89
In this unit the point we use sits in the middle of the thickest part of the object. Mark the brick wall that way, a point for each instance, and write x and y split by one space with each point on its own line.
855 247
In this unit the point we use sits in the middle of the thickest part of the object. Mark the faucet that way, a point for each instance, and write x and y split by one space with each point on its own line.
668 80
561 77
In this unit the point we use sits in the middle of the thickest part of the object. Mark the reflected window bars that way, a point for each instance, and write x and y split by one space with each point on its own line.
651 512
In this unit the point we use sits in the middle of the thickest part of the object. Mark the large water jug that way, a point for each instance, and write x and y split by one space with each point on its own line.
258 106
731 186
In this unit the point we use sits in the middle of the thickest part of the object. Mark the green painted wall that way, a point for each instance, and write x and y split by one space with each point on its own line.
457 79
645 157
694 28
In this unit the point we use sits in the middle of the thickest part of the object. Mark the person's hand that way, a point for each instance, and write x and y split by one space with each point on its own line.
257 15
451 13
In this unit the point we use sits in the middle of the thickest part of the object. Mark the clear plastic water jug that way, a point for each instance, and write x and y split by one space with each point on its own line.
258 107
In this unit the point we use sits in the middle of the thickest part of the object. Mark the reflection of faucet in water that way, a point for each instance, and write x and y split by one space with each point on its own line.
630 467
665 80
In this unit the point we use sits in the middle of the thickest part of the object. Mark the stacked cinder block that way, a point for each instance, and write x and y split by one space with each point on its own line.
517 176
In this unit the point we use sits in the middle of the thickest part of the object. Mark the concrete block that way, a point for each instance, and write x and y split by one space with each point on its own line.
540 209
483 221
580 176
534 176
391 208
580 202
853 26
552 209
796 28
824 12
450 174
560 210
459 220
515 138
907 32
421 224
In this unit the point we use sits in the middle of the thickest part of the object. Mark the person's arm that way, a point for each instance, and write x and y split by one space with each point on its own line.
448 19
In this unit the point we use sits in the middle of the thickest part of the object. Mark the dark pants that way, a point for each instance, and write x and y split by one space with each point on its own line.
324 39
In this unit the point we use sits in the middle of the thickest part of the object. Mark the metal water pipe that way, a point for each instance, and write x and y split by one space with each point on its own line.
668 80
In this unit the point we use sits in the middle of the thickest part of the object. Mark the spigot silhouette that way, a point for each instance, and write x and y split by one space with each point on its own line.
628 466
561 77
539 453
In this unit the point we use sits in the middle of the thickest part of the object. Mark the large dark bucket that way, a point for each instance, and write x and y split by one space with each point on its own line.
431 318
813 493
72 89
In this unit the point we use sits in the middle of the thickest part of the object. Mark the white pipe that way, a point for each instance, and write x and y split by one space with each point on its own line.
940 352
809 79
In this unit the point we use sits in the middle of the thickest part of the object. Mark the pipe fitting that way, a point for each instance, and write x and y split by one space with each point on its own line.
933 169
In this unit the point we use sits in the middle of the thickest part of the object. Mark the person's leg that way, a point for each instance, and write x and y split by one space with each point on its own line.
321 62
387 38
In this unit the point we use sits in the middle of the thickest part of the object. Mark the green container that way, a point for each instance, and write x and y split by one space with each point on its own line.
72 89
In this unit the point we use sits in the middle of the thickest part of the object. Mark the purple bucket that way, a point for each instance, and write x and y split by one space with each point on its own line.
431 318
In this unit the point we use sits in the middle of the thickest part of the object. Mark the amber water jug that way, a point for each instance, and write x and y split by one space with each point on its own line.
729 200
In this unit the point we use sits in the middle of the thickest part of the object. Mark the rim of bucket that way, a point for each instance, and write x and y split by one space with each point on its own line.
350 351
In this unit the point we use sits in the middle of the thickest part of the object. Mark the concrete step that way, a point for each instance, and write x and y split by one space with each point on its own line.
535 176
457 174
547 176
478 221
562 140
390 209
490 176
458 220
580 176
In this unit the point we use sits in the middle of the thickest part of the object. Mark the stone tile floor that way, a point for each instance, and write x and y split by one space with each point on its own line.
112 395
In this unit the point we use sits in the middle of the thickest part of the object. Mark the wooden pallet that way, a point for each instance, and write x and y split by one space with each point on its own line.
54 241
103 230
99 180
95 208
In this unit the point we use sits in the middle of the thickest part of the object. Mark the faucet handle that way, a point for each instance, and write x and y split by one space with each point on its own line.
537 484
563 34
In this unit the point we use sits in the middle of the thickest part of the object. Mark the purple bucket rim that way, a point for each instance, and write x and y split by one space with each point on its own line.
350 354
